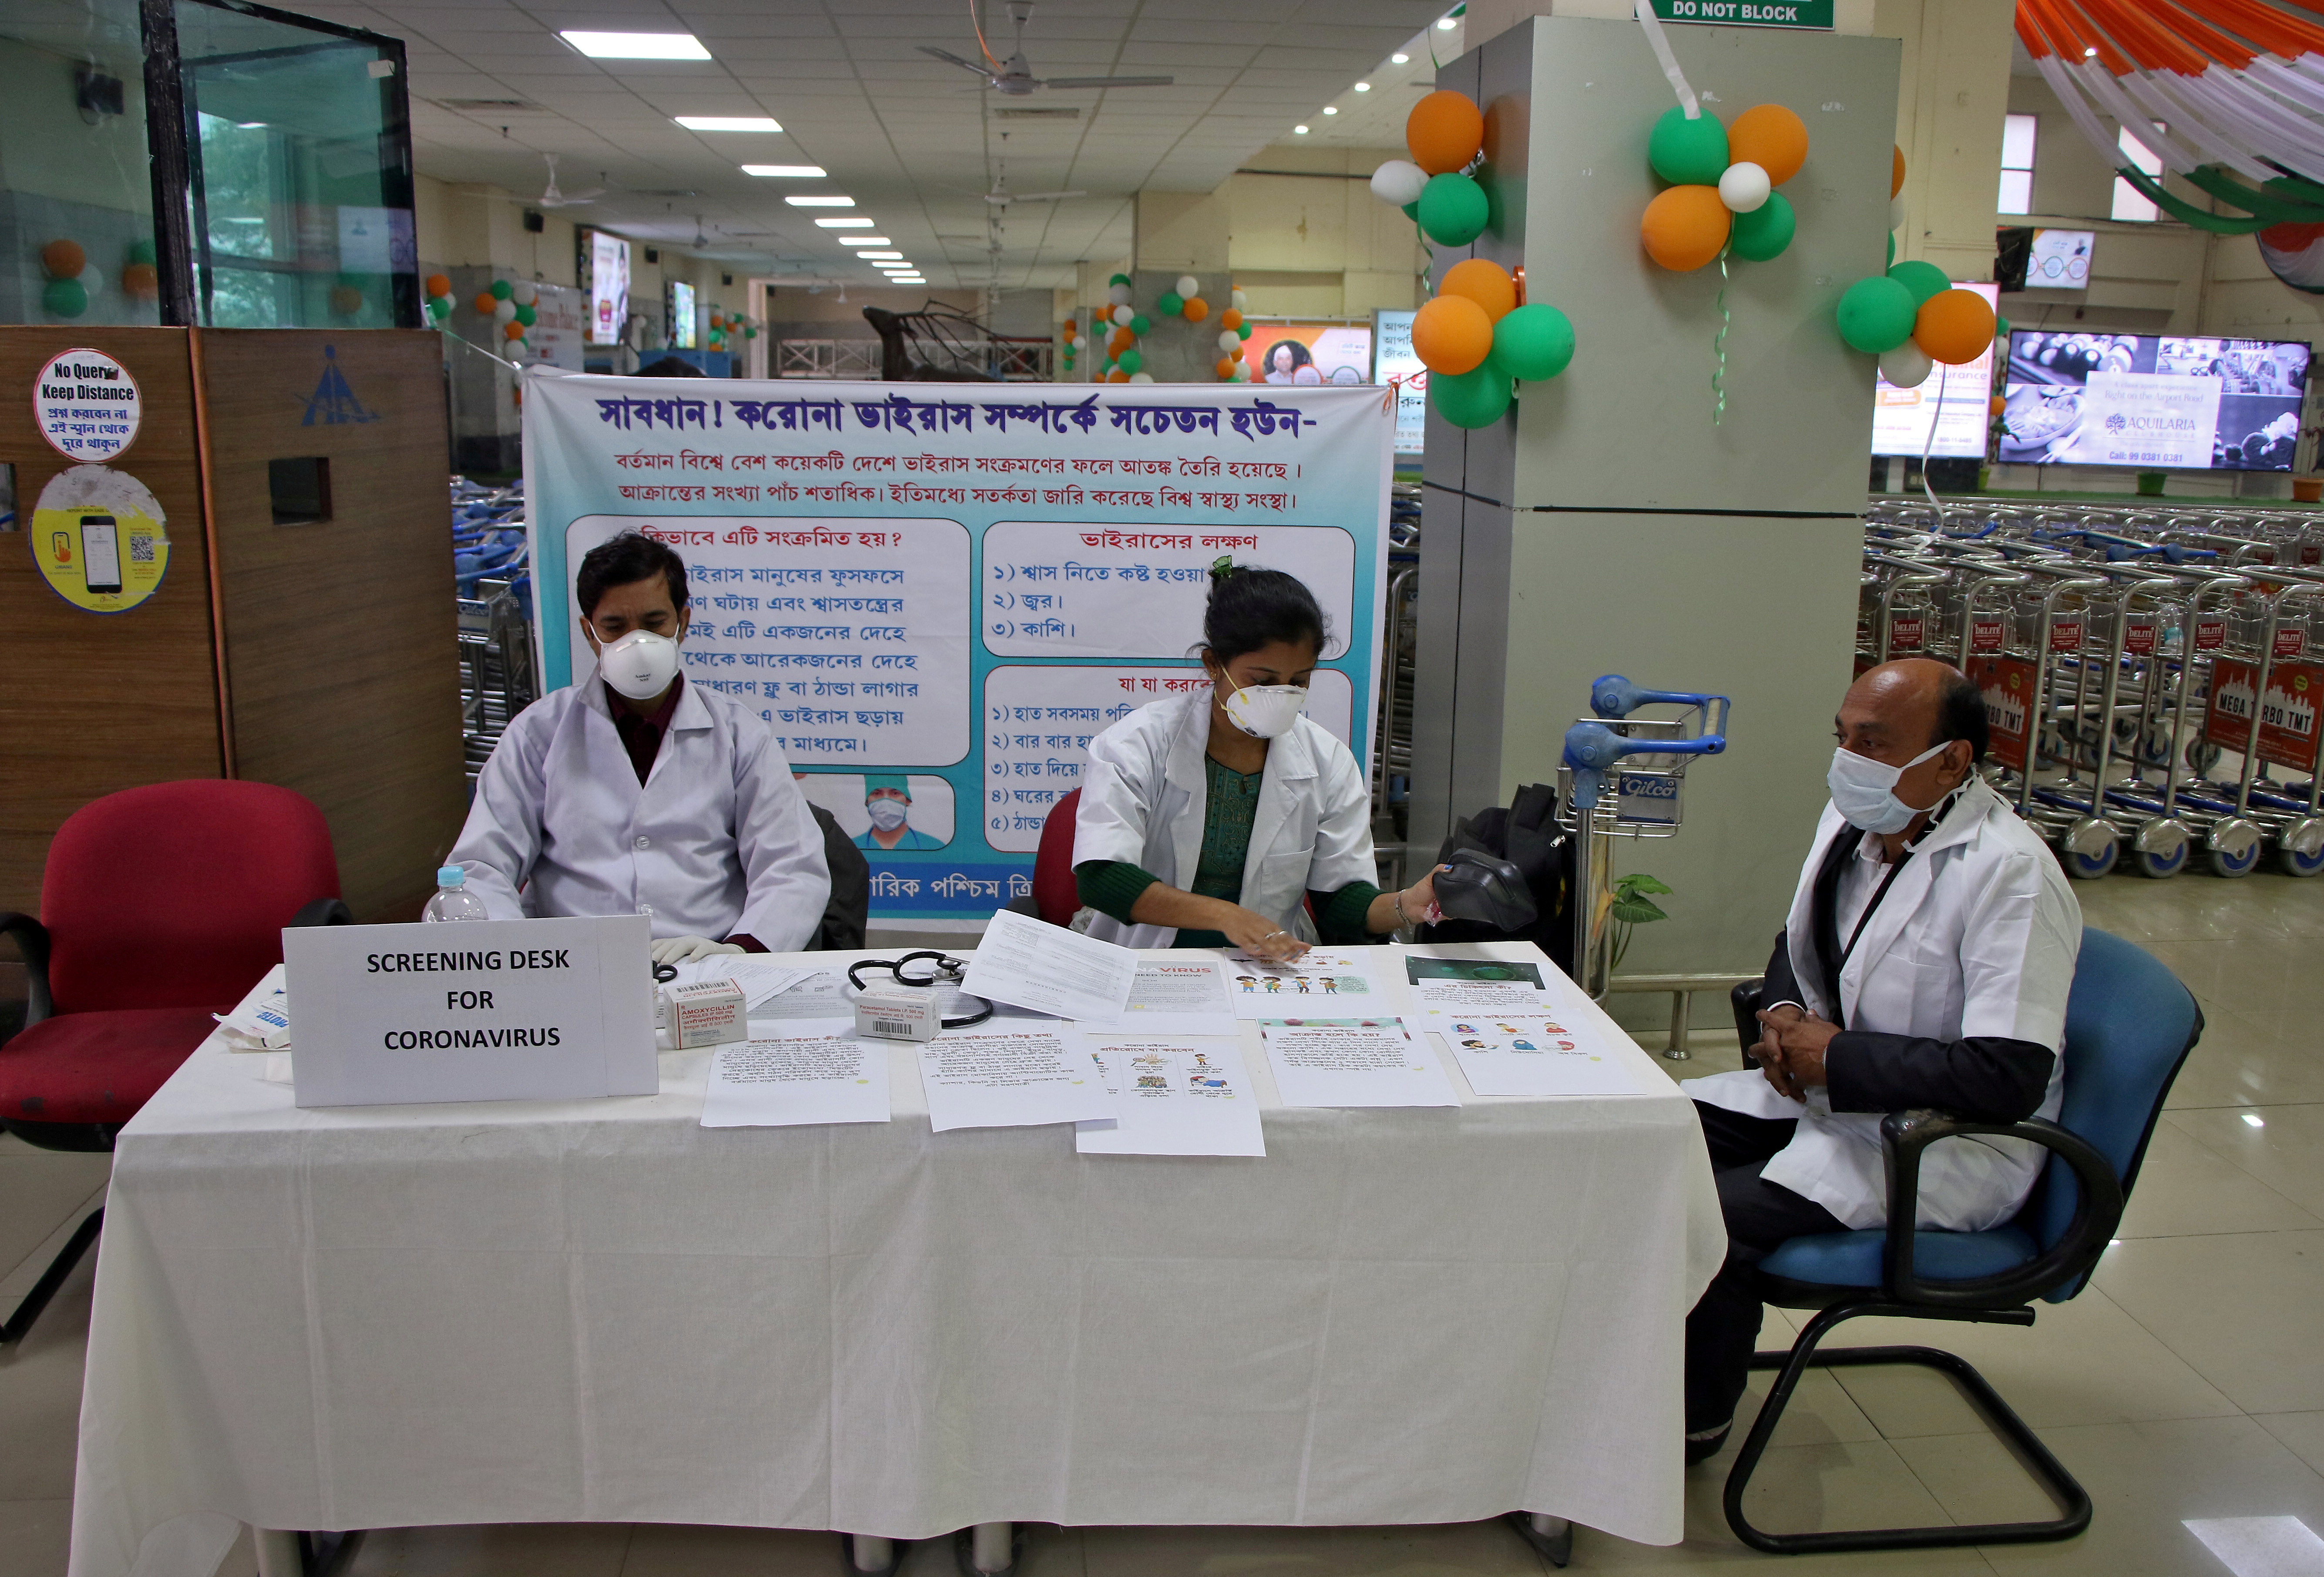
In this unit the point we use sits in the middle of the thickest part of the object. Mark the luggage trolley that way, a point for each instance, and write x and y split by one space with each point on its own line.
1622 777
2283 689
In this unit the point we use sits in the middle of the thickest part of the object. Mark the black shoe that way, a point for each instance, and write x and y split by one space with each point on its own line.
1704 1444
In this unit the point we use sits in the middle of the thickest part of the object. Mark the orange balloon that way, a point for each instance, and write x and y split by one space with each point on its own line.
1771 137
1117 376
1896 173
1483 282
1196 309
1451 335
1225 369
63 259
1230 318
1954 326
142 281
1444 131
512 329
484 302
439 284
1685 228
1119 340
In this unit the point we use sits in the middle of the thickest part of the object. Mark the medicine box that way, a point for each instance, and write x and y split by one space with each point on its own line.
708 1012
897 1013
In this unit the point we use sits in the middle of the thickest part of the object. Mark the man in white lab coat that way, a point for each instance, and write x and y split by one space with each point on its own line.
635 792
1925 963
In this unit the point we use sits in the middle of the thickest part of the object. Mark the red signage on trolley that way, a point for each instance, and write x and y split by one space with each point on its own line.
2210 634
2138 637
2290 641
1905 632
1985 634
2287 712
2007 684
2066 635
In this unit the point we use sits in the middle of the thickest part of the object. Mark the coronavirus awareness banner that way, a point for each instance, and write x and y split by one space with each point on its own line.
935 594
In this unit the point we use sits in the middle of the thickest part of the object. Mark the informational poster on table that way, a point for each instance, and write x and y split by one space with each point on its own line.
937 594
1957 401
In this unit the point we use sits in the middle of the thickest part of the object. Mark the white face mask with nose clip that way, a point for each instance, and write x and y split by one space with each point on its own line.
640 665
1863 790
1265 711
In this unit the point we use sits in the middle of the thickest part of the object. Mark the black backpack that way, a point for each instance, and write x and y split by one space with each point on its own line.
1525 834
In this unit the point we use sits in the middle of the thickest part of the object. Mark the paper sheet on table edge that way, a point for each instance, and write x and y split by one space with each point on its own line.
875 1056
1011 920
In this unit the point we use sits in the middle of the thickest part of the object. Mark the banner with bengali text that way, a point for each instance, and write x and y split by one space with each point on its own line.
938 594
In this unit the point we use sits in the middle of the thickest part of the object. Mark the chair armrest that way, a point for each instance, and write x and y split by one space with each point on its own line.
324 912
1745 999
31 939
2097 1210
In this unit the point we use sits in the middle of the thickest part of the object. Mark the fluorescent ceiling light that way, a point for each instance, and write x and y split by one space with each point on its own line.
2256 1120
1400 58
727 123
820 202
1446 23
883 257
1363 87
1300 131
785 171
844 223
861 239
637 46
1331 109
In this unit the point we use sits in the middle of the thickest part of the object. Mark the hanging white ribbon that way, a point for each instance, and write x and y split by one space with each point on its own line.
1661 45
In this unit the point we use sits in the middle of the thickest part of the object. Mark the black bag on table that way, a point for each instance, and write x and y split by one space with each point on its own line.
1525 834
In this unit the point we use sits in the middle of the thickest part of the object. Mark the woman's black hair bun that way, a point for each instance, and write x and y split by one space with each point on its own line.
1250 608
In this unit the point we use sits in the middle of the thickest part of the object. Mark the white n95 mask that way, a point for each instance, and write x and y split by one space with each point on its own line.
640 665
887 815
1863 790
1266 711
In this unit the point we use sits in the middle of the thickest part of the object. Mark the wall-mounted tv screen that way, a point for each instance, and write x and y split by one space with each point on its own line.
681 315
609 287
2156 402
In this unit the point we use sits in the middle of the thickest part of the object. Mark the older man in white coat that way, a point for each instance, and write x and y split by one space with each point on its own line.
634 792
1925 964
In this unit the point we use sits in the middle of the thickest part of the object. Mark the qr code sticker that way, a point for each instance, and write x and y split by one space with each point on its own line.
141 548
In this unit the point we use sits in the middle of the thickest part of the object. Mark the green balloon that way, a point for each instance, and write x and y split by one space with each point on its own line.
1876 314
1765 231
439 308
527 316
1922 279
1412 210
1533 342
1242 330
1141 326
142 252
502 290
2001 333
1892 251
1454 210
1120 278
1171 303
1130 361
749 332
1472 399
1688 152
64 298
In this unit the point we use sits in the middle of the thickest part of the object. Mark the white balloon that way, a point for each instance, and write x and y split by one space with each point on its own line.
1188 287
1236 299
1142 377
1744 187
505 311
1121 317
1398 181
1081 342
523 293
1896 212
1229 342
1907 367
1116 295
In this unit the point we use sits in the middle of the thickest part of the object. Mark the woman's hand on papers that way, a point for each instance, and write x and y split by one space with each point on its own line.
1259 937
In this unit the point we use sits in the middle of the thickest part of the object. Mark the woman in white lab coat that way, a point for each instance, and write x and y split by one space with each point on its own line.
1215 818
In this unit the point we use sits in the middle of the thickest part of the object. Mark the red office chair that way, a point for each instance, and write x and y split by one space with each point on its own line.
158 907
1055 897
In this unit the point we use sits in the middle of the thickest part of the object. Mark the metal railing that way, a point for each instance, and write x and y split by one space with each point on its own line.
1012 360
1682 989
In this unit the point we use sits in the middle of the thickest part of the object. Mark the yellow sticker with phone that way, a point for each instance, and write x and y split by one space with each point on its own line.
99 538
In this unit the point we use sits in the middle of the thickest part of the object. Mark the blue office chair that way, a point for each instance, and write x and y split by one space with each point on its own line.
2129 1027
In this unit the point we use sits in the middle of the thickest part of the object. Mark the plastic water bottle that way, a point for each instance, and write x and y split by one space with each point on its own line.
453 900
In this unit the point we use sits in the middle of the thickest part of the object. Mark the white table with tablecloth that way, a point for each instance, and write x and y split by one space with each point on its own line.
602 1311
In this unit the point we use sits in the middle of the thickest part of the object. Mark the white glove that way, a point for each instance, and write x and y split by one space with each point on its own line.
685 949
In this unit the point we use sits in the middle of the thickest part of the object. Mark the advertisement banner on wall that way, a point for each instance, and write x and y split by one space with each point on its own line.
935 598
1291 355
1394 362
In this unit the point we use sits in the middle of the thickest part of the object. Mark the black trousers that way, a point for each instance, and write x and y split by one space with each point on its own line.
1723 1330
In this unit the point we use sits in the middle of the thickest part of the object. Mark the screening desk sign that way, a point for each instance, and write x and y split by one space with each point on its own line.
474 1011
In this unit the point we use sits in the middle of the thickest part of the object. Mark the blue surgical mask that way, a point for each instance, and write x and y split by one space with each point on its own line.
1863 790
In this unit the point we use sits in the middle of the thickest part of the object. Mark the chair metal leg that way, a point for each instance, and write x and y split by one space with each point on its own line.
1550 1537
2073 1503
14 1328
990 1549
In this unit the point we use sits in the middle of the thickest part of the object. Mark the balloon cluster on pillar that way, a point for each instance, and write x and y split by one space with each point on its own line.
1069 340
64 296
1234 329
1182 301
1478 335
510 306
1125 325
1912 318
140 279
1445 135
438 292
1722 197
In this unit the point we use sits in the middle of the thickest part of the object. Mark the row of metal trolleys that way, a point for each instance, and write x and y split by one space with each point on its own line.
2125 656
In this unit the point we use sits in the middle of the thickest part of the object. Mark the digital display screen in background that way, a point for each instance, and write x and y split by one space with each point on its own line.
1309 352
2153 402
609 287
1901 417
681 315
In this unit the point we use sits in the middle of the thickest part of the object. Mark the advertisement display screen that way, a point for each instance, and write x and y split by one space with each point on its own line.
1309 352
1900 417
2156 402
609 287
681 315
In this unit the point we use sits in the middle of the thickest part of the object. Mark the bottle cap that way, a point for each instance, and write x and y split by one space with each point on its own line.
452 876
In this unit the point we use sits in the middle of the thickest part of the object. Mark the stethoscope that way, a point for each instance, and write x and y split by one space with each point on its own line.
943 969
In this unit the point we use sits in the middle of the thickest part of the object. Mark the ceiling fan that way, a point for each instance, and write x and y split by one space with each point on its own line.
1001 197
551 198
1014 76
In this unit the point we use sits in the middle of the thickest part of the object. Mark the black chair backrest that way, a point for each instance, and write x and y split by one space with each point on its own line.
848 915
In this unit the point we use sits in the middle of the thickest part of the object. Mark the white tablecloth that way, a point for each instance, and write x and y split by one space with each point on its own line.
601 1311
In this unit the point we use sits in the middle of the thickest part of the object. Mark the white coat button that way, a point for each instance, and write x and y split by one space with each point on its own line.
645 842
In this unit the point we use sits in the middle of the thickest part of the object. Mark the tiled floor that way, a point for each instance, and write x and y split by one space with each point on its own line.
2186 1385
